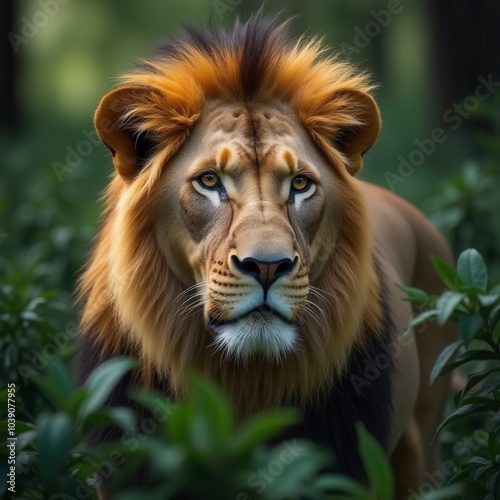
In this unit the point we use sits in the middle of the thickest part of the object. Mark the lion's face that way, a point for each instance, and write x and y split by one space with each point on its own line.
243 216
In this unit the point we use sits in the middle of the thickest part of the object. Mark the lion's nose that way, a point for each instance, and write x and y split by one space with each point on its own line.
265 272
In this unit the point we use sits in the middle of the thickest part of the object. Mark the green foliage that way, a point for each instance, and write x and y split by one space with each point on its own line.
194 448
466 209
473 301
377 469
50 458
197 451
29 331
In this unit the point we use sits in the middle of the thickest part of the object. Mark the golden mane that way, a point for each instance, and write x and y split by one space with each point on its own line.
166 97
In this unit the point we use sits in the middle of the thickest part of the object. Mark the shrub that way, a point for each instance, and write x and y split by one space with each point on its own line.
473 301
194 449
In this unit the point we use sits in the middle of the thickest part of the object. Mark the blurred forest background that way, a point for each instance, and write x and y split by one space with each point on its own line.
60 56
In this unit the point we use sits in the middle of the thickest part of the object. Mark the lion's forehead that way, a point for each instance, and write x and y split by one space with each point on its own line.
268 136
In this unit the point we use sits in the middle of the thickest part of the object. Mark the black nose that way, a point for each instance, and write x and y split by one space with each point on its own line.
265 272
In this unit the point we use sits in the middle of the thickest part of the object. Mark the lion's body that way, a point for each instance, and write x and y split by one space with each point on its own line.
237 242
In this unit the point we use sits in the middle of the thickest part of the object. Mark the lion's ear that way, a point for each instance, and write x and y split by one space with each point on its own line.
355 138
117 121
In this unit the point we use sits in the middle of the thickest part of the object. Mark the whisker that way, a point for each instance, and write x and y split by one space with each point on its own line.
310 302
309 314
320 291
327 303
191 303
191 288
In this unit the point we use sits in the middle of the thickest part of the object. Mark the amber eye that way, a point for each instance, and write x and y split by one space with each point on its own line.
300 183
209 180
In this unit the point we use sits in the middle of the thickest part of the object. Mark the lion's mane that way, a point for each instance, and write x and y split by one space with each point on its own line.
129 292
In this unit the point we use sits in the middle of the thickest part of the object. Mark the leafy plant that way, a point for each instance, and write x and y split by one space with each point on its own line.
377 469
34 328
194 449
50 457
199 452
466 209
473 301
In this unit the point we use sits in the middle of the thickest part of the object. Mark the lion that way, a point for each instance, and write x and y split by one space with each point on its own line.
237 241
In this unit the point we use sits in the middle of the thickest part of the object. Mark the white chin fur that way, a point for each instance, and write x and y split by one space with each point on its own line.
256 334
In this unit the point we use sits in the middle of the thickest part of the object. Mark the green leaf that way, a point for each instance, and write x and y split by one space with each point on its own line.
262 427
473 380
20 426
488 300
481 471
122 417
179 425
494 443
494 318
375 463
342 484
479 461
481 400
495 287
101 382
415 295
494 485
470 324
76 400
169 460
446 305
449 276
298 472
50 391
454 491
443 358
208 401
155 401
25 439
59 376
55 438
464 472
204 422
472 269
459 413
467 357
418 320
489 388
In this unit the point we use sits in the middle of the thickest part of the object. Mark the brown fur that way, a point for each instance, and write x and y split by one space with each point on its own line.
129 290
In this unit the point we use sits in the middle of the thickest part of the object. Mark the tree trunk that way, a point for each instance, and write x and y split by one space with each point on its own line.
466 47
9 109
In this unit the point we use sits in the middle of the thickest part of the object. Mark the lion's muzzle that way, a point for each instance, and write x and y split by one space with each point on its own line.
259 305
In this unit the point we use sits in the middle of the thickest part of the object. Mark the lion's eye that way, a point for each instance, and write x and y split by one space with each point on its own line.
209 180
300 184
